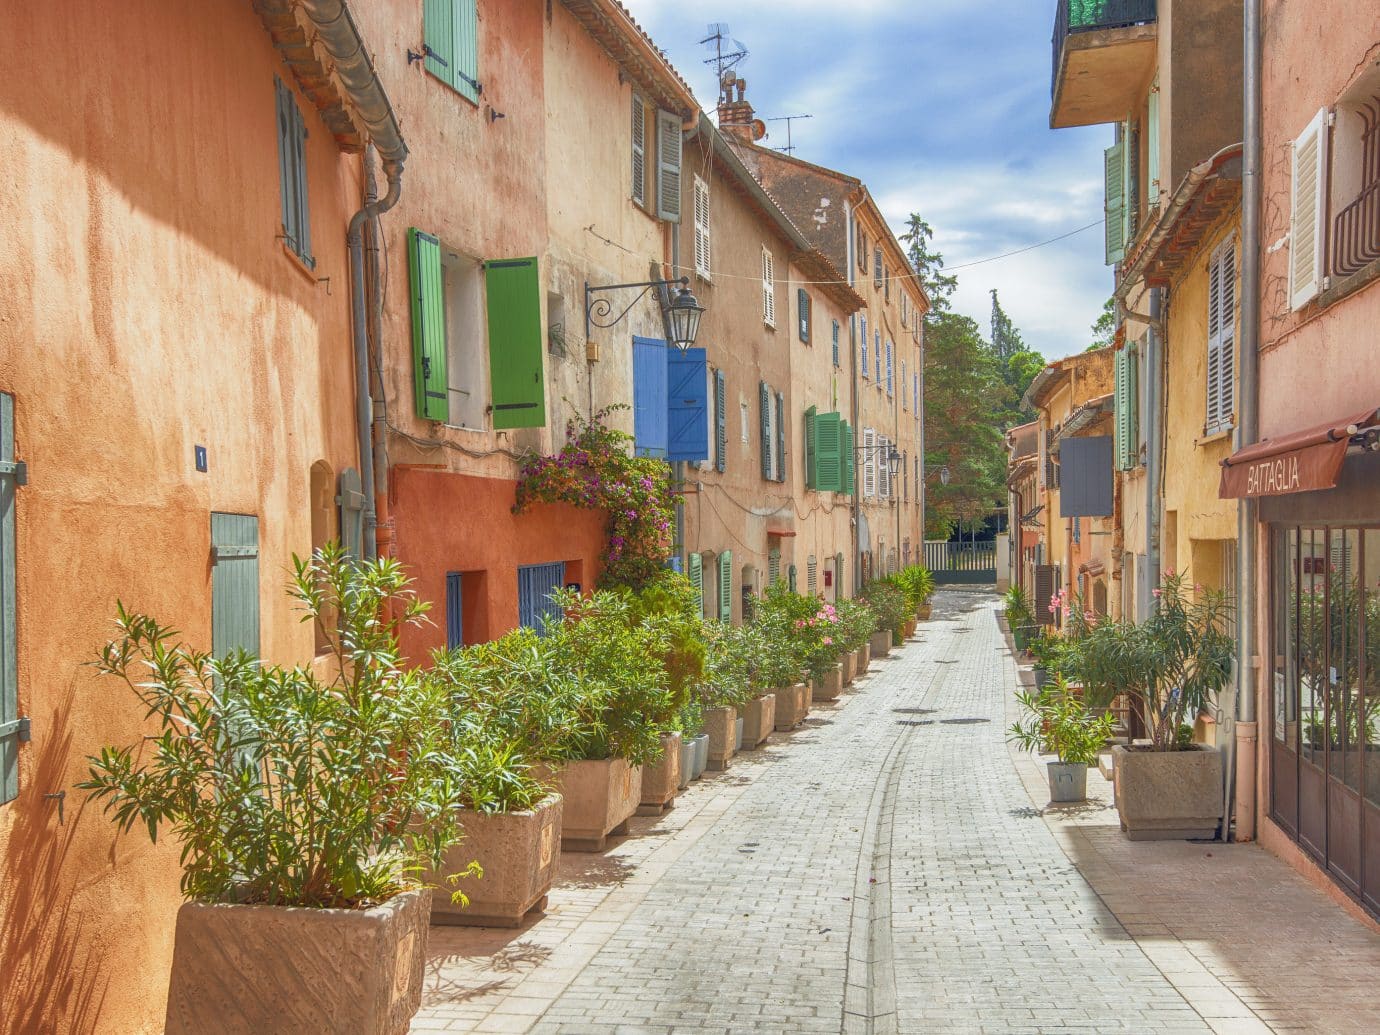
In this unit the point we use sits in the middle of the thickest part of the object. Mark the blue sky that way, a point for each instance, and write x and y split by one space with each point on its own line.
940 107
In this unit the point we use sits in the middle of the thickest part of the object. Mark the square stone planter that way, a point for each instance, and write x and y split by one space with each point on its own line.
926 609
864 656
701 743
273 969
518 852
758 719
661 781
721 725
791 706
1168 795
909 629
828 686
600 797
848 664
687 763
880 644
738 734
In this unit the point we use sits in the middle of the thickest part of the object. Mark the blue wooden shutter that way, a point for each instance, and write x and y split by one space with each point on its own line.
836 343
429 375
720 421
650 433
726 586
780 437
11 726
687 413
764 412
811 461
517 343
536 584
234 584
697 580
455 611
351 501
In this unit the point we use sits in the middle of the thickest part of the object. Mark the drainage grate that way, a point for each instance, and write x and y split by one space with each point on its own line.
963 722
914 722
913 711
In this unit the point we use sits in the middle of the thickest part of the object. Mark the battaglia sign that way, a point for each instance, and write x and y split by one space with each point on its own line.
1298 470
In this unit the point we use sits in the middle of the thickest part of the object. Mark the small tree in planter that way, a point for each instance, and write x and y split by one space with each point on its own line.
1172 665
888 603
917 582
1020 616
1058 723
289 791
857 623
784 662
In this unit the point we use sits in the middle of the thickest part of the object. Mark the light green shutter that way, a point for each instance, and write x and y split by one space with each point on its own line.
428 326
811 466
847 450
726 586
465 25
10 724
438 27
1114 204
1152 150
829 452
773 566
515 344
764 412
234 584
697 580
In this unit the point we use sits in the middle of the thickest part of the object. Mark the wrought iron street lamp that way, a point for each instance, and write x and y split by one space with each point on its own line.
683 313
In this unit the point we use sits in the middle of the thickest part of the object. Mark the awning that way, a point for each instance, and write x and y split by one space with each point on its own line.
1303 461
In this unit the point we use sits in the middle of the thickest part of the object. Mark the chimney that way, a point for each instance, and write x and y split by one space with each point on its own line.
735 113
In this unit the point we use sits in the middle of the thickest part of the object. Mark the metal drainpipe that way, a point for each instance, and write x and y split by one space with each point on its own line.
1153 433
1241 772
853 410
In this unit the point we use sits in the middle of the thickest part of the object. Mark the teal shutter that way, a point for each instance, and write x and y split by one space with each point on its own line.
828 452
780 437
515 343
773 566
12 727
802 307
811 460
438 28
351 500
726 586
465 26
234 584
1114 201
697 580
429 374
836 342
764 412
720 422
847 454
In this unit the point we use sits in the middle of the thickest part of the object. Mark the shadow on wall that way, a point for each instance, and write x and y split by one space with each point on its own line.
46 986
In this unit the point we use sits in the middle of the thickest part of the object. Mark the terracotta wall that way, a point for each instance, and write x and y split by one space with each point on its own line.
146 306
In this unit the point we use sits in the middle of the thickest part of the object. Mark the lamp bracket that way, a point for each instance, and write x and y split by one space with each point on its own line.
598 310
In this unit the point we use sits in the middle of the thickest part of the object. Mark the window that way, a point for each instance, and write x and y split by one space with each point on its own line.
904 404
1308 212
1221 338
877 355
883 467
1125 400
455 610
915 392
292 174
1114 201
639 150
863 246
863 338
768 287
905 309
536 584
649 397
1354 177
876 267
779 426
835 335
452 44
696 565
869 450
890 371
721 422
13 727
824 443
702 266
1152 144
811 575
668 155
768 429
670 401
726 586
802 305
886 283
467 358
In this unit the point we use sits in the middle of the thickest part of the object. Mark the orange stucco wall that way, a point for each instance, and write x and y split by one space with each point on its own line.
146 306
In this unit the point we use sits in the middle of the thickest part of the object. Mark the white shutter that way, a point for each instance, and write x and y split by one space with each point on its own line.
668 166
890 371
869 442
768 288
1308 211
639 151
701 227
883 467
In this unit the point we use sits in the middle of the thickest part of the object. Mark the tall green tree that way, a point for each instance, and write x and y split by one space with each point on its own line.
929 266
1104 327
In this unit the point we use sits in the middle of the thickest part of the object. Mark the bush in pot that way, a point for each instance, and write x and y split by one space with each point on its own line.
1020 616
1059 723
917 582
304 808
733 657
888 604
784 658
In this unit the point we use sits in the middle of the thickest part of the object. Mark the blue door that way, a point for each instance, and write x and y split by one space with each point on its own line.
536 583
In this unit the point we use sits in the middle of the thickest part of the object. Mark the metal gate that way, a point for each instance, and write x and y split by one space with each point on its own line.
536 583
972 563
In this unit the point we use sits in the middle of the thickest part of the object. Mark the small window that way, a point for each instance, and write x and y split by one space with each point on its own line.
802 304
876 267
292 174
639 151
768 287
702 266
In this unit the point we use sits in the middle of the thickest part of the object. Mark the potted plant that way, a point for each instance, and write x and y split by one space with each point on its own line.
783 657
1171 665
888 604
856 624
304 808
1020 616
1058 723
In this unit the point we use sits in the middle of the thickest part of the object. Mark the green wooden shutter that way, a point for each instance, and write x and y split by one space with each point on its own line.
515 343
773 566
846 457
465 26
829 452
1152 148
780 437
811 463
697 580
720 422
791 578
429 375
764 412
11 725
726 586
234 584
1114 201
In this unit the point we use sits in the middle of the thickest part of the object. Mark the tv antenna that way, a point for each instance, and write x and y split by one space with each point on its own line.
788 119
728 53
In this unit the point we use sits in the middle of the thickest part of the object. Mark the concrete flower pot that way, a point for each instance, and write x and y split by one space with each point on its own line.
600 795
848 665
661 781
687 763
880 644
828 686
758 719
809 694
909 629
738 725
518 852
1068 781
864 654
721 724
273 969
1168 795
926 609
701 756
790 707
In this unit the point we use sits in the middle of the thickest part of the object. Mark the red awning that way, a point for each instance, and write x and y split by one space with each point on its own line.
1303 461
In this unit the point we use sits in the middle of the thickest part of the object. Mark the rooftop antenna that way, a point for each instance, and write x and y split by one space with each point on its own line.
728 53
788 119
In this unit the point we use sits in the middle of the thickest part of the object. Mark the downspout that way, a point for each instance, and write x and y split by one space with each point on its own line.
853 404
1153 433
1242 767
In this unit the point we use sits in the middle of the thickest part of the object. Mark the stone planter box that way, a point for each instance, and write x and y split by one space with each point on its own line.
1168 795
687 763
275 969
518 852
661 781
849 666
828 686
791 706
738 734
600 797
701 743
721 725
864 654
880 644
926 609
909 629
758 719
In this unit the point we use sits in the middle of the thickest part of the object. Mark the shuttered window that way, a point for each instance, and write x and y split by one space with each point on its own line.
697 580
811 461
876 267
847 455
1221 352
773 566
1308 212
516 343
862 249
869 464
536 584
668 154
650 429
835 333
862 337
890 369
720 422
452 44
790 578
877 355
1046 582
702 266
811 575
234 584
639 150
687 391
455 611
802 305
726 586
883 467
429 354
828 458
779 426
764 415
292 173
768 288
1114 201
1152 144
1125 402
11 724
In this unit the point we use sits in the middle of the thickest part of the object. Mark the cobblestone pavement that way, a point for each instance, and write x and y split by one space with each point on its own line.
886 869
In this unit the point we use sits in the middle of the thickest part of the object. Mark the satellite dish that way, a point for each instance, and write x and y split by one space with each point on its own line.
759 129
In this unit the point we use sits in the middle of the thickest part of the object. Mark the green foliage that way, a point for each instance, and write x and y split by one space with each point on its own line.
1057 722
774 618
888 603
1016 604
282 788
1104 327
807 624
734 657
857 622
928 265
917 583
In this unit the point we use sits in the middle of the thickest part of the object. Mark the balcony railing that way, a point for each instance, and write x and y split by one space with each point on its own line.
1072 16
1356 230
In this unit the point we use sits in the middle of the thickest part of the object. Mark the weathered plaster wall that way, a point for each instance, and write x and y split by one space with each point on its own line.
145 306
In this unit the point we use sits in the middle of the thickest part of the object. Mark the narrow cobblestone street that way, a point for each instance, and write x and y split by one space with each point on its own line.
889 867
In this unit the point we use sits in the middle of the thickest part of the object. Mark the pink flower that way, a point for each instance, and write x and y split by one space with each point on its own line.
1169 573
828 641
1155 593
